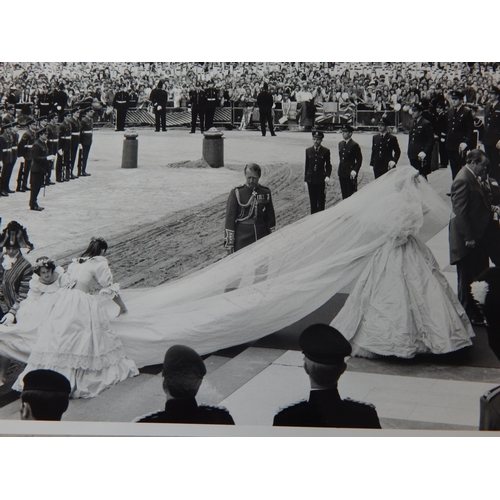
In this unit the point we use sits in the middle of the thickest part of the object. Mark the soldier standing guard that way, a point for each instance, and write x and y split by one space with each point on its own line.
210 105
158 98
24 151
420 142
317 172
75 140
41 165
385 149
120 103
197 100
64 152
10 154
249 213
53 141
491 139
350 162
86 135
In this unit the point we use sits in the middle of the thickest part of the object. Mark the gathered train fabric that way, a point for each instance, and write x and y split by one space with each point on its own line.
400 305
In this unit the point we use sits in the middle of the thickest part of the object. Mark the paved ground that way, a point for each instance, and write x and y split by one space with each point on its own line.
165 219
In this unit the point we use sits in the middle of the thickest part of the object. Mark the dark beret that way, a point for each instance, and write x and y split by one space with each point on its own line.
456 94
417 106
324 344
384 121
46 380
347 128
317 134
182 359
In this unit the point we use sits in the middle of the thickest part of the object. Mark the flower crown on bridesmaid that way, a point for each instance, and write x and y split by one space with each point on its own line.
44 262
99 239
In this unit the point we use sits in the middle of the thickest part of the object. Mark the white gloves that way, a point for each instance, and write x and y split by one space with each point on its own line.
421 155
353 174
8 319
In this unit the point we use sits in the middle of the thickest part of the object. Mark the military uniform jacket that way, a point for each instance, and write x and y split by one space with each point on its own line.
187 411
491 124
421 138
197 99
53 138
121 100
460 128
39 162
158 97
318 165
75 129
4 148
65 135
472 208
14 284
385 148
25 145
325 408
86 134
247 205
211 95
350 158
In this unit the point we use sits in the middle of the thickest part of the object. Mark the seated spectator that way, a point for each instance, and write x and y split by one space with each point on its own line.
324 350
45 395
183 372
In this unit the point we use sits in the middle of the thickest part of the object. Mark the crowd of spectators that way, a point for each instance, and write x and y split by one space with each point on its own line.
367 86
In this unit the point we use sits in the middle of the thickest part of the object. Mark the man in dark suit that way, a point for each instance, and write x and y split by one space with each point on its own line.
385 149
324 351
317 173
265 103
420 142
183 372
158 98
197 100
121 103
471 231
350 163
491 138
460 135
41 163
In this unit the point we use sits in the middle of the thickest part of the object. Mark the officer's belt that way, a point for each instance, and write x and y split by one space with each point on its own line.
66 137
121 102
247 222
75 133
86 131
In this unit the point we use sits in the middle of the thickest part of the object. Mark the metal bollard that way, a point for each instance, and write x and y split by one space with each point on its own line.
130 148
213 148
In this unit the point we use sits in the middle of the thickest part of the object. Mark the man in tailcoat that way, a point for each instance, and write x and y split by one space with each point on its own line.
324 350
350 162
471 230
385 149
197 100
460 134
491 138
317 172
420 142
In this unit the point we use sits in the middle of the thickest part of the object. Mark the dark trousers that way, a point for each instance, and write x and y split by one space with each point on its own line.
348 186
62 165
161 117
73 153
266 116
195 113
121 115
378 172
423 166
493 155
6 175
36 184
209 117
82 167
23 174
317 196
443 155
457 161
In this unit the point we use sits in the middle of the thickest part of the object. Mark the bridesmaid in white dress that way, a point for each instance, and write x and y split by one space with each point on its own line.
75 337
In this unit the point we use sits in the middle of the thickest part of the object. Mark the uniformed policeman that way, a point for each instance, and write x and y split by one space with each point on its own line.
420 142
183 372
385 149
249 213
351 159
317 172
324 350
460 134
491 139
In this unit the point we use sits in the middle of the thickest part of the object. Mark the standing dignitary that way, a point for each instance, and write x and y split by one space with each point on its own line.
265 103
491 138
324 350
472 229
211 95
385 149
120 103
158 98
40 166
86 135
420 142
317 172
350 163
460 134
197 100
249 212
24 151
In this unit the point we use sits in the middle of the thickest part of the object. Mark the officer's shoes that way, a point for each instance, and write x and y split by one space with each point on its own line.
37 208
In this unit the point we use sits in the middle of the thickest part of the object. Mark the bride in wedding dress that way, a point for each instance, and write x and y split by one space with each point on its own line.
400 304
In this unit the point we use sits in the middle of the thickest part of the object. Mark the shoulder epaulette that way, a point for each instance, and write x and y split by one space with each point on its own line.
359 402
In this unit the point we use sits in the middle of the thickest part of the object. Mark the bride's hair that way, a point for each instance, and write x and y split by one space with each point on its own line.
96 246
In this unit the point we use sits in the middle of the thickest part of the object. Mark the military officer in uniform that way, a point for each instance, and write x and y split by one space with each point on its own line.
24 151
74 121
183 372
53 140
86 136
460 134
64 151
420 142
385 149
491 138
197 101
325 349
40 166
211 96
9 132
351 159
318 171
120 103
249 213
158 98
